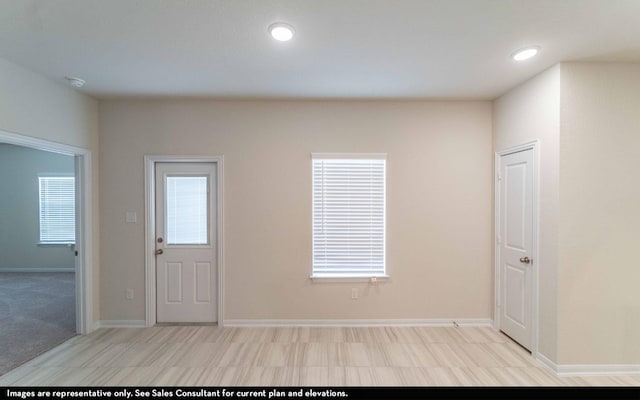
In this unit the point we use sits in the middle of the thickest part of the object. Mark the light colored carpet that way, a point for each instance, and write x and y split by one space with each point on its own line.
37 312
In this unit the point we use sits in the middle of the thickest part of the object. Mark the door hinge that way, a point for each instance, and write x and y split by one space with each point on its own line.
76 253
499 177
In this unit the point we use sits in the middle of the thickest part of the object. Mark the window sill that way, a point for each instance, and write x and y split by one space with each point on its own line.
58 244
326 278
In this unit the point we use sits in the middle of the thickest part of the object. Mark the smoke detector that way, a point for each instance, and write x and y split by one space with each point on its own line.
75 82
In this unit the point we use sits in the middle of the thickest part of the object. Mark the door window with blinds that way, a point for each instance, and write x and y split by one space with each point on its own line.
348 215
186 210
57 209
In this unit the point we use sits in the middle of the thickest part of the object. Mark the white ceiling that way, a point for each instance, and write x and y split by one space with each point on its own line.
342 48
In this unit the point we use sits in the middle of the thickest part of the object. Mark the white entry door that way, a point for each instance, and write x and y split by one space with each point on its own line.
186 270
515 238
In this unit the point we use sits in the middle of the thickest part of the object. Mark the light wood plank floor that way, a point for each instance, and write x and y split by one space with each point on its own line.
305 356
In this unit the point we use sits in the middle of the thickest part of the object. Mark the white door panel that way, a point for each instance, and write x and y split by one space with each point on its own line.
186 270
516 245
202 282
172 279
515 179
515 287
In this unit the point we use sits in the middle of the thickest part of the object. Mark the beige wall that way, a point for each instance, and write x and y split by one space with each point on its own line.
32 105
438 216
20 168
599 280
528 112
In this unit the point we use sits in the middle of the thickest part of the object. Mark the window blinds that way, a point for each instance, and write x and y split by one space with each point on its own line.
348 217
186 207
57 209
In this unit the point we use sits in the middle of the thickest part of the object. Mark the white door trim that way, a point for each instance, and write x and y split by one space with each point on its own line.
84 220
150 228
535 147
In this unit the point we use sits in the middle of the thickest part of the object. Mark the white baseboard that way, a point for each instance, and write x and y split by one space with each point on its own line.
547 363
598 369
63 269
354 322
566 370
125 323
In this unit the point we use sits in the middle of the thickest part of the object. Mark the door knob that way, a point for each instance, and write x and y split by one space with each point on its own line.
525 260
160 251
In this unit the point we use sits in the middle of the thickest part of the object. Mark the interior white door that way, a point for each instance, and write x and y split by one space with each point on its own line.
186 267
515 238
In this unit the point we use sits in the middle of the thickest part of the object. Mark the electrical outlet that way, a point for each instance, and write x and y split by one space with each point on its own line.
129 294
354 293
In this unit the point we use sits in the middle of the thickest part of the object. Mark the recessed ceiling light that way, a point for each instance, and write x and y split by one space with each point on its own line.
525 54
281 31
75 82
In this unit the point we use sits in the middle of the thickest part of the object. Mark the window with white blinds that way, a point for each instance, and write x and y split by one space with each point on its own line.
57 209
348 215
186 205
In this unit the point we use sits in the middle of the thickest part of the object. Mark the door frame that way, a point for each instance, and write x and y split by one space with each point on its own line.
150 228
84 221
535 147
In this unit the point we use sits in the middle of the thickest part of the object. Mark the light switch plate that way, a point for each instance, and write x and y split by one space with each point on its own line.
131 217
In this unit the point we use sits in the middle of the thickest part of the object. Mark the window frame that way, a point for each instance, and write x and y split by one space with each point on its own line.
370 275
45 242
167 218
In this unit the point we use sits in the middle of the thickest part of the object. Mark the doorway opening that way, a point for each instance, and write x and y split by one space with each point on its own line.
46 244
